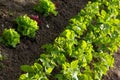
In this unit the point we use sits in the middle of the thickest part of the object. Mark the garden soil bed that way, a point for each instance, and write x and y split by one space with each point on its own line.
29 49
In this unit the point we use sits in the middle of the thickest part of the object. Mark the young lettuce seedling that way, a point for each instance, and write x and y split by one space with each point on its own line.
27 26
46 7
10 37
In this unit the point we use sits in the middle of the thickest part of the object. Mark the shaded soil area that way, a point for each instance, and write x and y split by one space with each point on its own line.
30 49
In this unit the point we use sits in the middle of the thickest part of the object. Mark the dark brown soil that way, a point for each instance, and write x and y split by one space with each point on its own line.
30 49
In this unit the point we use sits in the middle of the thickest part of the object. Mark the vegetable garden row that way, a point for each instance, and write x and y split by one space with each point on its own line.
83 51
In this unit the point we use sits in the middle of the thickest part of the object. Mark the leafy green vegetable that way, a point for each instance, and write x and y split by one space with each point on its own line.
10 37
70 71
34 72
46 7
27 68
27 26
84 51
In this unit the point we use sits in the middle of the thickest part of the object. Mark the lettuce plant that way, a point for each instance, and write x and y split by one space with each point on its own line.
10 37
46 7
27 26
33 70
84 51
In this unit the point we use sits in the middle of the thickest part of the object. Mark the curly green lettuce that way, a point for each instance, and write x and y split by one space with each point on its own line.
10 37
46 7
27 26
